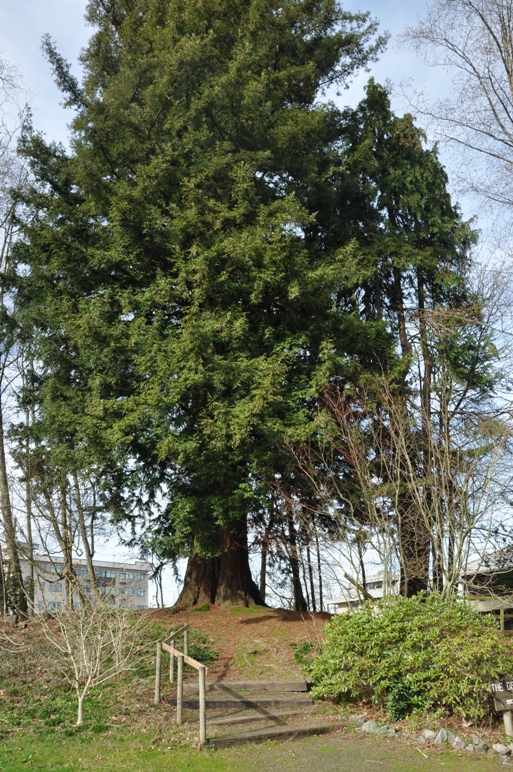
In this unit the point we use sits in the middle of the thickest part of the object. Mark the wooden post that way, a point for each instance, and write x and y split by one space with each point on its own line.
171 668
179 691
158 669
202 706
186 641
502 616
508 723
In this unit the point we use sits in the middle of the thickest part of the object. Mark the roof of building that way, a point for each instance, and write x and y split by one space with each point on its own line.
500 560
58 559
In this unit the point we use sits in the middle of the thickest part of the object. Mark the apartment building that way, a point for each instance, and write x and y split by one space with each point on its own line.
125 583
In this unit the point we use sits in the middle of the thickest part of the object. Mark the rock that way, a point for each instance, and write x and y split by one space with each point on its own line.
470 747
477 741
441 736
501 749
382 729
369 726
421 739
361 721
458 743
450 737
428 734
392 732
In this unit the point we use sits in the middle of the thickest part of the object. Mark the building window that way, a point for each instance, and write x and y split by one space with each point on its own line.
40 605
141 592
81 571
126 576
141 576
56 604
105 573
141 608
56 587
127 591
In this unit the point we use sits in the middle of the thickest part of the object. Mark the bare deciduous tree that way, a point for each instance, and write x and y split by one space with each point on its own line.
93 644
473 41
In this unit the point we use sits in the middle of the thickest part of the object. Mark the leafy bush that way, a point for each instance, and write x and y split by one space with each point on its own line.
200 647
305 653
413 655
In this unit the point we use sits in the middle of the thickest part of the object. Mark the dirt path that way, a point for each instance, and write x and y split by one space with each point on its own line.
364 754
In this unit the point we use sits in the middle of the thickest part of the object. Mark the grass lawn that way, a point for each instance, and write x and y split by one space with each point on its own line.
141 752
123 731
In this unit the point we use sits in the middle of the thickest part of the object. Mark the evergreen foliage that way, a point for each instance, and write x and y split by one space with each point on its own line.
216 247
412 656
183 295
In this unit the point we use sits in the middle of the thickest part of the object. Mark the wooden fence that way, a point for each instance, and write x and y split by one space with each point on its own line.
488 604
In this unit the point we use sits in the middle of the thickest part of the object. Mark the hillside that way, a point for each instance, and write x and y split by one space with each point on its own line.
253 642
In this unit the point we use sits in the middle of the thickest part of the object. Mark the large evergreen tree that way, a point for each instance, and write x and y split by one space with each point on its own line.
186 294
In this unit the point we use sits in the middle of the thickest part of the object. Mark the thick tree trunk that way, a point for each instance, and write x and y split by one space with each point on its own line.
225 579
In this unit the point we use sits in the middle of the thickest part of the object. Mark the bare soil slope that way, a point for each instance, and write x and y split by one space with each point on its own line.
252 642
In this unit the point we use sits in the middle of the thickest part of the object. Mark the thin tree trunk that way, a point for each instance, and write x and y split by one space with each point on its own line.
311 577
80 711
28 504
299 599
2 583
321 601
84 537
265 549
305 582
16 596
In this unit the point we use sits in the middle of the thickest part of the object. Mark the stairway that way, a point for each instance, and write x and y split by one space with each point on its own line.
266 710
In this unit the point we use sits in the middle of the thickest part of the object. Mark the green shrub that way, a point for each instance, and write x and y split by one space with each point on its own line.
305 653
200 647
413 655
203 607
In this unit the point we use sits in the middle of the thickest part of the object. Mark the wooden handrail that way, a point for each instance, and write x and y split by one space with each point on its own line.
176 632
183 659
188 660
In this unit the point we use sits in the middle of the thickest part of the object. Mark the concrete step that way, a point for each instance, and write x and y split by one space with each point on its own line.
274 733
291 685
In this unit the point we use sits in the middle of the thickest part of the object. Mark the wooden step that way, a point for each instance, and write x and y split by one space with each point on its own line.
254 718
292 685
274 733
248 702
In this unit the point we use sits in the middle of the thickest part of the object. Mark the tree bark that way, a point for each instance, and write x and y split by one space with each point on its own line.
300 603
225 579
415 546
16 594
